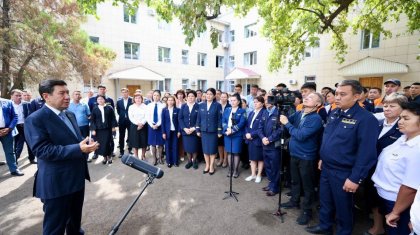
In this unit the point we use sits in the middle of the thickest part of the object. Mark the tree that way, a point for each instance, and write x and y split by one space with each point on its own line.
291 25
43 40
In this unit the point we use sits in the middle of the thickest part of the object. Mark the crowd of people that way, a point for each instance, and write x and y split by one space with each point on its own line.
323 145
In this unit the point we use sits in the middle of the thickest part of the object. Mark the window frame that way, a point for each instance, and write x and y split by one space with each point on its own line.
132 55
252 58
161 54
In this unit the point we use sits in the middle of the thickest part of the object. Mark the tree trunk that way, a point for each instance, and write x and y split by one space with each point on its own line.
18 80
5 76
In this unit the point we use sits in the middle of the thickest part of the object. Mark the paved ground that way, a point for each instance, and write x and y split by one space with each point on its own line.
182 202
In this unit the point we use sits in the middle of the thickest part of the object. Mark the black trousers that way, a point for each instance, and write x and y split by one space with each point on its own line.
63 214
122 128
84 130
302 174
19 141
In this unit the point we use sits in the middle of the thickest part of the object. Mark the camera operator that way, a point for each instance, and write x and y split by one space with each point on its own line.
305 128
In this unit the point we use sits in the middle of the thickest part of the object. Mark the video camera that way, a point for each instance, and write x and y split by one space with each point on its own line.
281 97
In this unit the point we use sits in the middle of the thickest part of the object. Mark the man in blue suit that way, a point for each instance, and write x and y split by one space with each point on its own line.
8 121
123 121
54 137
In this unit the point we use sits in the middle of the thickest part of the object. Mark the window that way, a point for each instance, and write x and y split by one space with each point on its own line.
231 61
185 83
250 30
311 78
160 85
312 51
220 85
231 86
130 17
163 25
220 35
185 56
369 39
131 50
202 84
94 39
232 35
220 60
168 84
250 58
201 59
164 54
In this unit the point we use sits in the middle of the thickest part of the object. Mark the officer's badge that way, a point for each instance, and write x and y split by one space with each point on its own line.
349 121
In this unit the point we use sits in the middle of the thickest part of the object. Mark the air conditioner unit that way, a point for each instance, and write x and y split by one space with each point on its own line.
151 12
292 81
193 83
225 45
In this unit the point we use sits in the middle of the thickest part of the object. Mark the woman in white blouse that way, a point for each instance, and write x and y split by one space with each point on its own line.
154 120
396 176
138 130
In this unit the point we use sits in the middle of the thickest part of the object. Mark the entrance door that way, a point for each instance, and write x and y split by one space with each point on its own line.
132 89
370 82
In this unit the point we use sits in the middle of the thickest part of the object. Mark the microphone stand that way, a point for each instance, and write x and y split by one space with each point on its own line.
231 193
149 181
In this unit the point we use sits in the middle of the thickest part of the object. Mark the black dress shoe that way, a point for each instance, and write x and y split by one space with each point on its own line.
271 193
266 189
2 163
212 173
121 155
17 173
318 230
169 165
205 172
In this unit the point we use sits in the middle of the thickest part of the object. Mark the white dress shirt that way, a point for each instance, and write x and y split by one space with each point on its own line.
2 123
137 114
171 112
19 111
415 213
150 110
101 108
387 127
398 165
253 118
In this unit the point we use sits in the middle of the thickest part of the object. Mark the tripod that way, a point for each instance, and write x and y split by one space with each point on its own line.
231 193
283 110
149 181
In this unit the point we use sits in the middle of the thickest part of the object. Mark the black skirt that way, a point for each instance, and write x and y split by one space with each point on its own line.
104 138
137 138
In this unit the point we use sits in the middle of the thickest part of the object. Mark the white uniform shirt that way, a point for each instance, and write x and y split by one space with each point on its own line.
387 127
415 213
398 165
171 112
19 111
150 110
137 114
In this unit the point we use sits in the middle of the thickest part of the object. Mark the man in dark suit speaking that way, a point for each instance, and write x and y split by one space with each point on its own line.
54 137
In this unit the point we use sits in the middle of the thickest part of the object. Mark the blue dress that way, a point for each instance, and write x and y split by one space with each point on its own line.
233 142
209 125
154 136
255 149
188 119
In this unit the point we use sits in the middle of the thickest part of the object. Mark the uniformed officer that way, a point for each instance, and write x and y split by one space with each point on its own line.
269 131
348 151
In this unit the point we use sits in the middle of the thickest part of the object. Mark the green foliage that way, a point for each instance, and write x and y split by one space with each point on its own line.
291 25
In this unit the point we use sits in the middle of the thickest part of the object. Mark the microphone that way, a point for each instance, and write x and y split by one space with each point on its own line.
142 166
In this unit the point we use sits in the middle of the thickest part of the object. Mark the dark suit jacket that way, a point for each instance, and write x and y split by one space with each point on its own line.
211 120
187 119
96 118
388 138
166 121
62 166
36 104
256 140
240 121
123 112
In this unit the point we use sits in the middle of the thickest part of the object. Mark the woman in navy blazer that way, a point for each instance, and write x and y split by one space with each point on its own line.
223 162
233 122
187 118
388 134
254 141
170 131
209 128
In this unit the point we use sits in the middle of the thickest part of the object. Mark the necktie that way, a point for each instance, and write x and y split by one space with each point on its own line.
63 117
155 114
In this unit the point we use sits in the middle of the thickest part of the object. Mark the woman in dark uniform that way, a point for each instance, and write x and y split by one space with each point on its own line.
209 128
137 136
180 100
233 122
154 120
223 161
102 124
254 141
187 120
170 132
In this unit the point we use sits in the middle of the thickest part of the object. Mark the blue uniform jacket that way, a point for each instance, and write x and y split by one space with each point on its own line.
349 142
62 166
211 120
388 138
36 104
123 112
187 119
254 130
270 128
240 121
166 121
305 135
9 115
